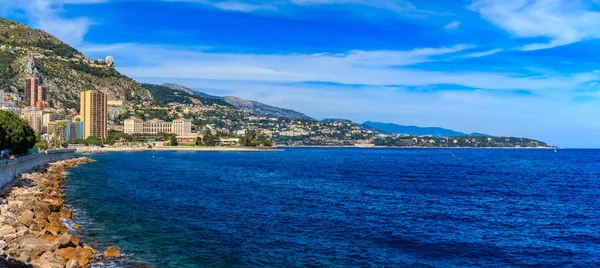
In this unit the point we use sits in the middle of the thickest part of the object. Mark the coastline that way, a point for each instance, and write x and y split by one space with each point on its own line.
33 216
415 147
88 150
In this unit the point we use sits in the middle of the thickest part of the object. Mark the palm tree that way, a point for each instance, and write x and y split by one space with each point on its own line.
57 131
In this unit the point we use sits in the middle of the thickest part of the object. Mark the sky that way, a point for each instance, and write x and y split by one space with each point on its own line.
521 68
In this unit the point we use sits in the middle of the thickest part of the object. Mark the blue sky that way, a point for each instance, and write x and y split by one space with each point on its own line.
504 67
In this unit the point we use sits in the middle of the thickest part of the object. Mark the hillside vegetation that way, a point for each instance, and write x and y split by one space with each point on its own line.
25 52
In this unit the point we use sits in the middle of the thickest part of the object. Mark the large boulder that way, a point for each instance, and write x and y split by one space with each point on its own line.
66 241
84 255
26 217
66 253
8 232
111 252
34 243
66 214
55 229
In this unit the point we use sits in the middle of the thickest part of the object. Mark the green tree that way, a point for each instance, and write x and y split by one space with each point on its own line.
93 141
174 141
15 133
42 144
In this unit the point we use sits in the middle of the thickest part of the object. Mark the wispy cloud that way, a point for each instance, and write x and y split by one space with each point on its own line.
452 25
47 15
375 68
561 22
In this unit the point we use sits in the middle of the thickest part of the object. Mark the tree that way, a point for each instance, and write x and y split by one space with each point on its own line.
92 140
174 141
42 144
15 133
57 131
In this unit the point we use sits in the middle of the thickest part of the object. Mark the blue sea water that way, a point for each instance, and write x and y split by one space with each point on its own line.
343 208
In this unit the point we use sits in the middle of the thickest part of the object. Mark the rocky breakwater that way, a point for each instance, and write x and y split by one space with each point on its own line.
32 222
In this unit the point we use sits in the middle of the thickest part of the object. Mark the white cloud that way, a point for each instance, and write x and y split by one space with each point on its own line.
561 22
452 25
375 68
244 7
46 15
483 53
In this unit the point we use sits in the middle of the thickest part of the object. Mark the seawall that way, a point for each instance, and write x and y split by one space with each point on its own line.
10 168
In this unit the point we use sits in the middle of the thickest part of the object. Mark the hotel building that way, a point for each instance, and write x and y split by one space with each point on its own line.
181 127
94 114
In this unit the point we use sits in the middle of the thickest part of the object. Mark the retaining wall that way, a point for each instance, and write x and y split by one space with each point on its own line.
11 168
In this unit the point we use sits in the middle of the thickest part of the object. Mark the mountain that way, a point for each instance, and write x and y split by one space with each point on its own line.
254 107
262 109
336 120
389 128
64 70
164 94
191 91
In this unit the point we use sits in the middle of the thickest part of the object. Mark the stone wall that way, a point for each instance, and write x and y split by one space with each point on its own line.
10 168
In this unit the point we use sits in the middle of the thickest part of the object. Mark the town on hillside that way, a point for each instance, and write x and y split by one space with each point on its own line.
178 119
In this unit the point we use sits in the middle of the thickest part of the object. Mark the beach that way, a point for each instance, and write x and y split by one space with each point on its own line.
82 149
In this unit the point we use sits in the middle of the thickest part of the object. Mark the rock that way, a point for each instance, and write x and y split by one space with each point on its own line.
26 218
22 231
48 237
111 252
49 260
75 240
66 214
24 257
32 243
14 205
3 245
41 210
54 218
72 264
7 230
54 204
76 226
84 255
66 253
55 229
65 241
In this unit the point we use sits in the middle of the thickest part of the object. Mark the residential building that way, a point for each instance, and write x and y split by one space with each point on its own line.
182 126
94 114
35 119
36 94
74 130
31 90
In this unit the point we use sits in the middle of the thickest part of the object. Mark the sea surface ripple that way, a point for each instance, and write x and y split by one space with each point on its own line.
343 208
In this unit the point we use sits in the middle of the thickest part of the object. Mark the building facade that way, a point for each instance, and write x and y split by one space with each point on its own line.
35 119
94 114
36 94
31 90
74 130
180 127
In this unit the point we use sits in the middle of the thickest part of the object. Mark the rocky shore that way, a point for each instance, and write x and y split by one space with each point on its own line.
33 232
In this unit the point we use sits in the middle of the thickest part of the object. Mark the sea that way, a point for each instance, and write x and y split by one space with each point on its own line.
308 207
